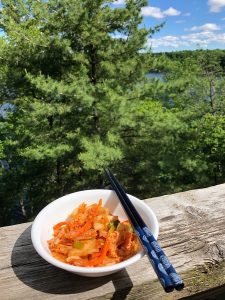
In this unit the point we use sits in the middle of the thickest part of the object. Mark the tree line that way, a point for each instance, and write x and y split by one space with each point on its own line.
218 54
75 99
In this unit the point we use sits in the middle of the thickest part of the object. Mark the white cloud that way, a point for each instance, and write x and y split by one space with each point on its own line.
216 5
166 41
206 27
152 11
202 39
156 12
187 14
171 12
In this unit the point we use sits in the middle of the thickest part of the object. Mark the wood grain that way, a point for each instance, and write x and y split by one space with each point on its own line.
192 233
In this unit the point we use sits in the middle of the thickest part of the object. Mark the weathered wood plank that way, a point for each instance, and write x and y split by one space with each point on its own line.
192 233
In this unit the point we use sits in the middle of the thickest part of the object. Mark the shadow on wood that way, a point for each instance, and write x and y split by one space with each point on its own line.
36 273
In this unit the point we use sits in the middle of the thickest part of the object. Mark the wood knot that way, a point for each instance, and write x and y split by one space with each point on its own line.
194 212
216 251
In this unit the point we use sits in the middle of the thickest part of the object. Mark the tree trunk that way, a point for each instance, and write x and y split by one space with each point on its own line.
212 94
93 79
59 178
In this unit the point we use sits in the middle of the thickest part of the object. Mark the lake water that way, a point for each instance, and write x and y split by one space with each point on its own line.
156 75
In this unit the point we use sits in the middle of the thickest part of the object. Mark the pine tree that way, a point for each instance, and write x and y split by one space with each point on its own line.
73 72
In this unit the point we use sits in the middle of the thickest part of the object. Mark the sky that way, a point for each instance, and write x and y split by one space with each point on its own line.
189 24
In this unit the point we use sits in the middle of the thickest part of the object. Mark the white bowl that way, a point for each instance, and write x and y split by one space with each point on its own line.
59 210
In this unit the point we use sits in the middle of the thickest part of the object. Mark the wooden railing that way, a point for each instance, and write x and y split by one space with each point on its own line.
192 233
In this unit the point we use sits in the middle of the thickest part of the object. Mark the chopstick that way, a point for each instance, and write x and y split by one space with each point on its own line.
163 268
153 258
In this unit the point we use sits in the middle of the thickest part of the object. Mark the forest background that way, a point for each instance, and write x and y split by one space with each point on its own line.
80 91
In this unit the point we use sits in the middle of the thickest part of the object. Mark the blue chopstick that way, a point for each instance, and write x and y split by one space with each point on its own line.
154 260
157 250
178 283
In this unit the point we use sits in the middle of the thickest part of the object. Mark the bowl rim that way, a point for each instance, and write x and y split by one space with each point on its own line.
88 270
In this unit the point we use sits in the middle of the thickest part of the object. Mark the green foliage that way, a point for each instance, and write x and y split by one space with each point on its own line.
99 155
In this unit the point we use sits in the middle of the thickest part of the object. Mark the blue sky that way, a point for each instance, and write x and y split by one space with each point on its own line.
189 24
